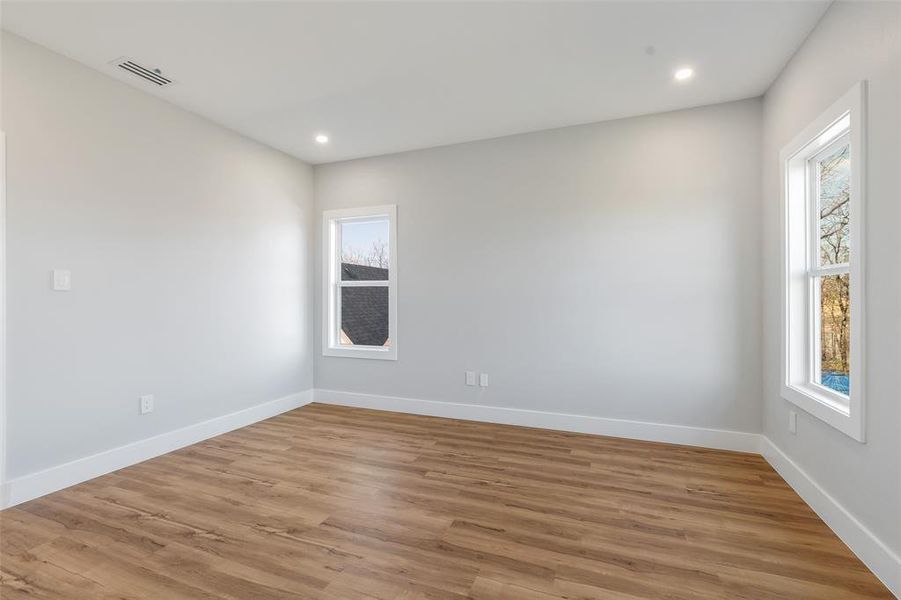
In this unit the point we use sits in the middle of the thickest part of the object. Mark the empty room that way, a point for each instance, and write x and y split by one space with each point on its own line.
450 300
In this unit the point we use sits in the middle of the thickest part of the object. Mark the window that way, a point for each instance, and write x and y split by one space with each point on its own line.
822 328
359 283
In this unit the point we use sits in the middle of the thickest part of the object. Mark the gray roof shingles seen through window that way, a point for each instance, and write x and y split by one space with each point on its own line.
364 310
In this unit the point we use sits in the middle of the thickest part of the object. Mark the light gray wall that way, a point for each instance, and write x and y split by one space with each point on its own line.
608 269
189 250
853 42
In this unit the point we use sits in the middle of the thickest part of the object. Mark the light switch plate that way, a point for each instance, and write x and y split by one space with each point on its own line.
62 280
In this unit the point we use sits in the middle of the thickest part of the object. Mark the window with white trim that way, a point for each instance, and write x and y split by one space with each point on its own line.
359 283
822 328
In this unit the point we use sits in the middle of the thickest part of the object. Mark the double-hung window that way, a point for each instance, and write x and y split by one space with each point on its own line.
822 330
360 283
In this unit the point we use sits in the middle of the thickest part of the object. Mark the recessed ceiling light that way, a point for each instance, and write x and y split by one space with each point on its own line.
321 138
683 74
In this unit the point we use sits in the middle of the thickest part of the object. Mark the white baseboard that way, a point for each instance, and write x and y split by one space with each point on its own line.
56 478
638 430
877 556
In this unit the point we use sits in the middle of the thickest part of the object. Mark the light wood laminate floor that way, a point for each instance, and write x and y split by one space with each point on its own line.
338 503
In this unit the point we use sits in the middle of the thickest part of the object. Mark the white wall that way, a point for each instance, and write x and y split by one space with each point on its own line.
189 251
853 42
606 270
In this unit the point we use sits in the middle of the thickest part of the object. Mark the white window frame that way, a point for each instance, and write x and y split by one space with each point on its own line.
332 284
843 121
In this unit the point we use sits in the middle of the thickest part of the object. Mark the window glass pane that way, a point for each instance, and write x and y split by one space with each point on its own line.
364 316
834 170
364 250
835 332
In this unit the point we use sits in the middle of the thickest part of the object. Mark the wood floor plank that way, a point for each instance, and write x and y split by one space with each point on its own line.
329 503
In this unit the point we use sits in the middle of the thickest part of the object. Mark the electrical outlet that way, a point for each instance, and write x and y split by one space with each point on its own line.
483 380
61 280
792 422
470 377
146 404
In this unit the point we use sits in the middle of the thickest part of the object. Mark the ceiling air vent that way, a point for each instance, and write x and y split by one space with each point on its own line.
154 76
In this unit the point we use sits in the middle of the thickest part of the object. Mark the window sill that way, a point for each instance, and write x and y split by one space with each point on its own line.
369 352
827 407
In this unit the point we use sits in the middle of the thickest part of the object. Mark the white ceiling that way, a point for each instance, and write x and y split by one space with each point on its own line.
387 77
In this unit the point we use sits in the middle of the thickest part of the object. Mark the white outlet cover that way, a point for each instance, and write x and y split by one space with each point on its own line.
62 280
470 377
483 380
146 404
792 421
